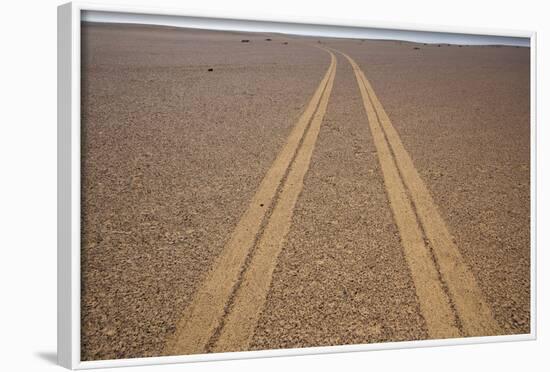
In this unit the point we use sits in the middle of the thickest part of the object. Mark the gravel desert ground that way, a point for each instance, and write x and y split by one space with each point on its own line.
236 195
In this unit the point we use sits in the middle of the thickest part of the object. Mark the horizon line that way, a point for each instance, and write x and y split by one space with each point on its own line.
297 29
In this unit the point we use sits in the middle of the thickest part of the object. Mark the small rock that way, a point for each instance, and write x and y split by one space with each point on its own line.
109 332
210 69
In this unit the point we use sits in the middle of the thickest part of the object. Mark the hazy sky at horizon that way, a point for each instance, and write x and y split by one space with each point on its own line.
303 29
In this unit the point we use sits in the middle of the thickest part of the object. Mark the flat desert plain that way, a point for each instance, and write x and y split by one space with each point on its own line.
246 191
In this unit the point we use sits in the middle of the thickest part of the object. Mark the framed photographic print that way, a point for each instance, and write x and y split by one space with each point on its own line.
234 188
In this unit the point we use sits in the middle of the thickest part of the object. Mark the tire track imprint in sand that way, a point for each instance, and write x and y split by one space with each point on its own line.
226 307
450 299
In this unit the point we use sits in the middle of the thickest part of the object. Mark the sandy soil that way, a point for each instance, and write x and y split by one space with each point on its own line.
173 153
463 115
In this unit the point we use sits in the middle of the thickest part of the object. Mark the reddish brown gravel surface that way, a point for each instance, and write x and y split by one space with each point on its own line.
180 126
172 153
463 115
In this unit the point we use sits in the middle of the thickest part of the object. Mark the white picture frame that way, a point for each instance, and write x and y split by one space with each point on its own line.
69 233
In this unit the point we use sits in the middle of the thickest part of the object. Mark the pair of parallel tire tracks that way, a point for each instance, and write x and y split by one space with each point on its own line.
450 299
226 307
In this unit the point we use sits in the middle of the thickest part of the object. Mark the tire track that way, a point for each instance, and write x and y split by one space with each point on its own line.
450 298
250 297
203 317
433 301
